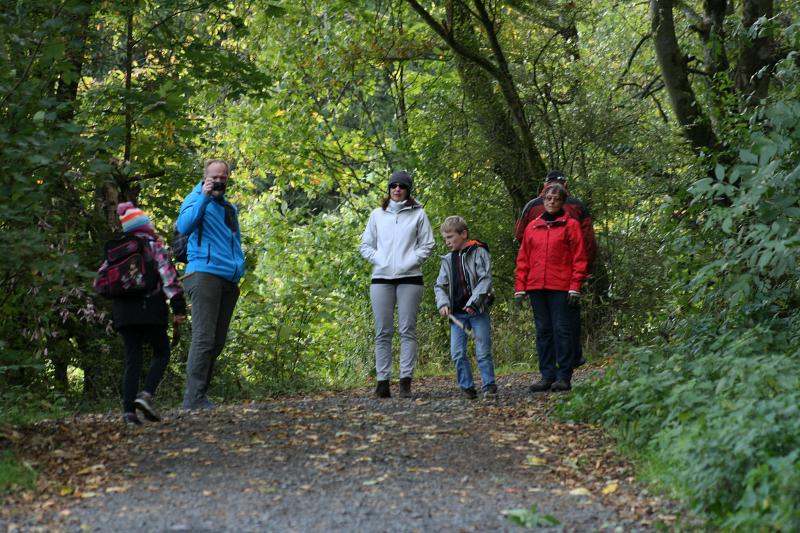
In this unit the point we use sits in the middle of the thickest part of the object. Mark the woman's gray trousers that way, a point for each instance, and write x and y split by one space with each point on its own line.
407 298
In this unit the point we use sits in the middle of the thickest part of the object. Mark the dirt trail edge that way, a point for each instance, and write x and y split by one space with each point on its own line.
332 462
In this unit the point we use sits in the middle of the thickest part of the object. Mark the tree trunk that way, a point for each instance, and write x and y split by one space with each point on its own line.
492 118
757 55
505 124
695 125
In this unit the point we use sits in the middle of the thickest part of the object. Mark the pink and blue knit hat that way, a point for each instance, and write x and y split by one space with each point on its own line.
133 218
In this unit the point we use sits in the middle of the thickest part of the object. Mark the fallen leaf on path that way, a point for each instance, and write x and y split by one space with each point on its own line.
611 487
580 491
532 460
90 469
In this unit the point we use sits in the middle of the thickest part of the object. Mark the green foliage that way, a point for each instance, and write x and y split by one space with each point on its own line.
530 518
14 474
26 405
715 411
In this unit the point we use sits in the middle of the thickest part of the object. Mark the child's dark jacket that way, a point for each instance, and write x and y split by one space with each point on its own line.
477 264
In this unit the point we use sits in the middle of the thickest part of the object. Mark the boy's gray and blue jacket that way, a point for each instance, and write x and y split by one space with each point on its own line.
220 251
477 264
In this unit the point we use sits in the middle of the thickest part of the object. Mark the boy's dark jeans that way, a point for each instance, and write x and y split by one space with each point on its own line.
134 338
213 300
554 333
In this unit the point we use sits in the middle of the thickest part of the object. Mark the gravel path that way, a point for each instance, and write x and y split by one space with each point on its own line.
333 462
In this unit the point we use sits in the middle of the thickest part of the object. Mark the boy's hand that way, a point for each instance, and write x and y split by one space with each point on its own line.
519 294
470 311
444 310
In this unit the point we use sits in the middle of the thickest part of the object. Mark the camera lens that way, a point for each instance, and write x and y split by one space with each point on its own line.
218 186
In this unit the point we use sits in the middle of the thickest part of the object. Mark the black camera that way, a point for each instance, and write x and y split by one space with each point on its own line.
218 186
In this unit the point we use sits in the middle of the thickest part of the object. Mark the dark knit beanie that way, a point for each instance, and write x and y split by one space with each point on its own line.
402 177
555 174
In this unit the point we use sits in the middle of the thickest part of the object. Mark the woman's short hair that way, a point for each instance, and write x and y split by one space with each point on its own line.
555 188
454 224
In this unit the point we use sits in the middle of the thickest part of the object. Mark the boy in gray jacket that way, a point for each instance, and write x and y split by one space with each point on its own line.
463 295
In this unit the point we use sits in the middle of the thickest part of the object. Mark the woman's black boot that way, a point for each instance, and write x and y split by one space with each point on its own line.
405 387
382 389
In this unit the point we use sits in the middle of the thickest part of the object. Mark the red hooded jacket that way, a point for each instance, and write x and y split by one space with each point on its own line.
552 256
574 208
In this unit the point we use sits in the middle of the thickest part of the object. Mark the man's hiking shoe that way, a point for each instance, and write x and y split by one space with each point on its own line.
580 362
490 393
199 405
541 385
470 393
405 387
131 420
561 385
382 389
144 403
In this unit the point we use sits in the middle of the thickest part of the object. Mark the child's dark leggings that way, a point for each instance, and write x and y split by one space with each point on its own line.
135 338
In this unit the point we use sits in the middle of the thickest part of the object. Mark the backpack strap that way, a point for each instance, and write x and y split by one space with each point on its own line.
200 228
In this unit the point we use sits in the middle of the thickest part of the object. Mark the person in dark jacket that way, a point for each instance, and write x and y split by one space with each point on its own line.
143 319
216 264
577 210
551 266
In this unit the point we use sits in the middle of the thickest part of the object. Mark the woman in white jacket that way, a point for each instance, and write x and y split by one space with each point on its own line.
398 238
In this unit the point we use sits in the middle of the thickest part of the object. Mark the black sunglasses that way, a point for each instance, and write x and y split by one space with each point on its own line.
395 185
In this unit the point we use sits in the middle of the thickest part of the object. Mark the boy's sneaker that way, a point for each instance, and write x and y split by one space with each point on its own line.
131 420
490 393
470 393
561 385
144 403
541 385
382 389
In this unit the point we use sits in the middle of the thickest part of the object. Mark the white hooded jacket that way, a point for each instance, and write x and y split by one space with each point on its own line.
396 243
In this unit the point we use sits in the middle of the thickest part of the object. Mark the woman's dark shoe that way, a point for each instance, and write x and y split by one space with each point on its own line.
561 385
541 385
144 403
131 420
405 387
382 389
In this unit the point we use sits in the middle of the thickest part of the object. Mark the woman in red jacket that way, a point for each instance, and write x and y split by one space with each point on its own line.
551 265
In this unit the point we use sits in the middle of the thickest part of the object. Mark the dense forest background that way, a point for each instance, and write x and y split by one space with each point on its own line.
678 124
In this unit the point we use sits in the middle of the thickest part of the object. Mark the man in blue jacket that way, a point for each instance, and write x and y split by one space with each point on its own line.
215 266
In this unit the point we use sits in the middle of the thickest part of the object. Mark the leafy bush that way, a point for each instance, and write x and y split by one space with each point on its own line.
715 413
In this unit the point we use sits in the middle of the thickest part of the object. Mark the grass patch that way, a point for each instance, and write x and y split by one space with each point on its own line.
13 473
